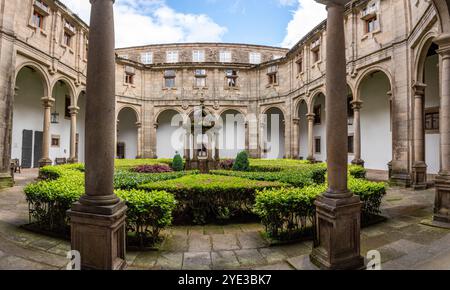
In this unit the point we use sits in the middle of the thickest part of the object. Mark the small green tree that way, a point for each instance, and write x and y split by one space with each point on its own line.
177 163
242 163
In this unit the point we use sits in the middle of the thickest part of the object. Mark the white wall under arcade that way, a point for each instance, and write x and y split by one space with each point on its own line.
274 133
319 130
231 134
303 135
169 137
376 134
127 132
432 101
81 126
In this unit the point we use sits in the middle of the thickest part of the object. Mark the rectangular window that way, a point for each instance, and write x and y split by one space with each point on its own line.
372 24
231 76
147 58
55 140
172 56
225 56
129 78
351 149
200 78
432 120
317 115
67 39
315 50
299 65
38 19
272 74
67 106
198 56
254 57
317 145
169 78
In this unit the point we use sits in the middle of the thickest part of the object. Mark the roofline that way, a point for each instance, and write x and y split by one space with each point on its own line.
205 43
62 5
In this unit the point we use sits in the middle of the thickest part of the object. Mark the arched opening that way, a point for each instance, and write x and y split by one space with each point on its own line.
376 128
432 108
274 134
81 117
60 121
318 108
231 134
28 117
303 130
170 134
127 134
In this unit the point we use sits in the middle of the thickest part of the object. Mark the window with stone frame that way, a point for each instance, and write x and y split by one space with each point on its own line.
147 57
372 24
317 145
254 57
40 12
299 63
200 78
172 56
272 74
315 50
67 39
351 147
169 78
129 78
198 56
231 78
317 114
370 17
225 56
432 120
55 142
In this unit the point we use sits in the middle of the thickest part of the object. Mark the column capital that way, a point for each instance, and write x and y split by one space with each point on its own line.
93 1
74 110
47 102
310 116
139 124
296 121
444 45
419 89
333 2
155 125
357 104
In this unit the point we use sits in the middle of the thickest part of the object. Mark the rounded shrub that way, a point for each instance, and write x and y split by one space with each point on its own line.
242 163
177 164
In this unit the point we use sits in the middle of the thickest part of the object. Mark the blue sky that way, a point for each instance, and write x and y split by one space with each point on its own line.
265 22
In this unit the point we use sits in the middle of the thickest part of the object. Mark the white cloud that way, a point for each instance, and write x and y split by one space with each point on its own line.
308 15
141 22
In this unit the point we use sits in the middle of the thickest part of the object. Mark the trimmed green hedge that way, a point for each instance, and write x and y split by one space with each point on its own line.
131 163
204 198
357 171
276 165
288 212
50 198
124 179
301 177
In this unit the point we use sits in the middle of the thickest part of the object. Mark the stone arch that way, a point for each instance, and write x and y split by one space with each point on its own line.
169 137
273 141
70 86
127 133
421 55
443 10
232 133
131 107
164 110
281 108
366 73
314 95
297 105
41 71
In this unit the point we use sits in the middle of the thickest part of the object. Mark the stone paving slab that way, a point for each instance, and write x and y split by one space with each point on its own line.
197 261
224 242
250 257
200 243
224 260
302 263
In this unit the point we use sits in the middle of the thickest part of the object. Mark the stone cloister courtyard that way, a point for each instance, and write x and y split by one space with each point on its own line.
403 240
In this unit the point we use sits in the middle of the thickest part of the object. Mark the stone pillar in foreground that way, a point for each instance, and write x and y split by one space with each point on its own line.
442 203
73 134
47 103
98 218
338 211
217 146
419 165
356 105
310 118
296 137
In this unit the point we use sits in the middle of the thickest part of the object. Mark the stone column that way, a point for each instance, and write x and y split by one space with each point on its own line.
195 146
98 218
209 148
310 119
338 211
139 140
217 146
419 165
73 134
442 203
296 137
357 137
187 146
153 141
247 136
47 103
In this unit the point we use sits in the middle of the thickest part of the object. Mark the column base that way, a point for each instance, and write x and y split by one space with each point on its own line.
72 160
442 200
6 180
358 162
400 178
100 238
419 178
337 238
45 162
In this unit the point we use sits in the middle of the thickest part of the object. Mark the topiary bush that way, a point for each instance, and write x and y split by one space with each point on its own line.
241 163
147 214
357 171
211 198
177 164
370 193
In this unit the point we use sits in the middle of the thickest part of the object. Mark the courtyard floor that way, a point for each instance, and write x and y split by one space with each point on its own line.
403 241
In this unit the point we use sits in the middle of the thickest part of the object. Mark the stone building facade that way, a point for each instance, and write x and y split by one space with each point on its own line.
395 78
